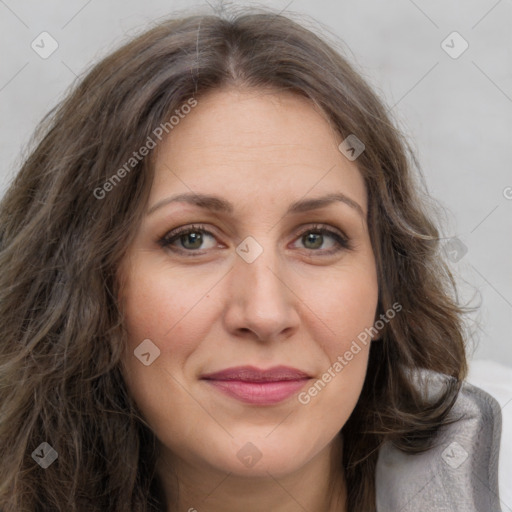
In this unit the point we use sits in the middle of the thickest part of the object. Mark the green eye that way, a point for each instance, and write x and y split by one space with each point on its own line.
191 239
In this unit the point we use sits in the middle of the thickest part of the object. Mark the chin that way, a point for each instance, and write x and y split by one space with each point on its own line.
253 456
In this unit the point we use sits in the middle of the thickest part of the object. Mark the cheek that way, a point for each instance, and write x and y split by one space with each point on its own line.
345 311
162 309
344 307
171 307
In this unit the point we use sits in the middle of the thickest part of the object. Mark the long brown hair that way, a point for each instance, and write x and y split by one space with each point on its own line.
61 245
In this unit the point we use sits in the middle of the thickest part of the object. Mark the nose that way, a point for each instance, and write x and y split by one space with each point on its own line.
261 302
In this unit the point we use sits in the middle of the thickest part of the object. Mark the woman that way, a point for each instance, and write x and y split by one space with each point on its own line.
218 282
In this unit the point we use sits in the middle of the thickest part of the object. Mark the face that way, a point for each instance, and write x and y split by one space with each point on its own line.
259 277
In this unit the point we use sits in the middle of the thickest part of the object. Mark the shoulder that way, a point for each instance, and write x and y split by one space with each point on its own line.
464 457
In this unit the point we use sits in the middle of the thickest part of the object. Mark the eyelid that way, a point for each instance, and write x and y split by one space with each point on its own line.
342 241
174 234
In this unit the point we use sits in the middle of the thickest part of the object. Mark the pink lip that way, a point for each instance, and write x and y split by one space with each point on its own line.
256 386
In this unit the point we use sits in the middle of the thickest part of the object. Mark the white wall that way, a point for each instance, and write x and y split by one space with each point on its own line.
457 111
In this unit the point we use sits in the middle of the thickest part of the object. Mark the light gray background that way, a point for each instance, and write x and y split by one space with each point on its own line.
457 112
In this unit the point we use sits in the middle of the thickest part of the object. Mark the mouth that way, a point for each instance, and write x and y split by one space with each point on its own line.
256 386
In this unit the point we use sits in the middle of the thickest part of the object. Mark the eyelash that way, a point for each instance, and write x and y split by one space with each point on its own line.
166 241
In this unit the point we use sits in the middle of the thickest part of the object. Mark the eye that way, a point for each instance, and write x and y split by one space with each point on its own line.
314 237
190 239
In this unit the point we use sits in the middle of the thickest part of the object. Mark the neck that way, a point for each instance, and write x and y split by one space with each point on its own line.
318 485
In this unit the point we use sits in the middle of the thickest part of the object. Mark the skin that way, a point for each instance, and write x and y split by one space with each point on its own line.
294 305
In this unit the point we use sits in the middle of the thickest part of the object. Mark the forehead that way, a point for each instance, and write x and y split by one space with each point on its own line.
254 144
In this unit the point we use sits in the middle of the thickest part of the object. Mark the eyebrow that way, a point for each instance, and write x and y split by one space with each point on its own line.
218 204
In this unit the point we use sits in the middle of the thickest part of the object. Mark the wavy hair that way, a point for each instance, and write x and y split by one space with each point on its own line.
63 332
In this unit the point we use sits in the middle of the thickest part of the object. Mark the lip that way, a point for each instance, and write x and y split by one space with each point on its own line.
257 386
